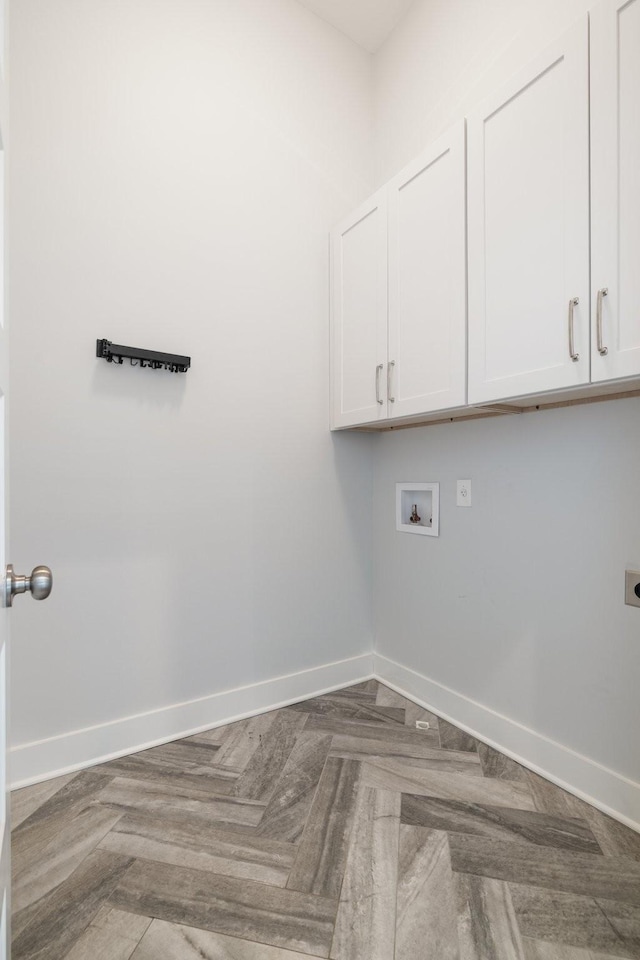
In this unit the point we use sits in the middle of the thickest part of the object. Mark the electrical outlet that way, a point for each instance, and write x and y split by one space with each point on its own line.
632 588
422 724
463 497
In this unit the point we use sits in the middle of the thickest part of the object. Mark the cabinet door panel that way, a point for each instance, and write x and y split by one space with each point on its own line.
615 185
529 228
359 315
427 280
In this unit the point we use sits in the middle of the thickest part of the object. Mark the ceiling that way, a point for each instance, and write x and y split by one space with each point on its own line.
368 22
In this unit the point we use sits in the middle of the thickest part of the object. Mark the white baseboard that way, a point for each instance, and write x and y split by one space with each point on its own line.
44 759
603 788
607 790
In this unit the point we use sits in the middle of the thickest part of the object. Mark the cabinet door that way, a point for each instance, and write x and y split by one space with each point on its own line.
615 186
528 206
359 315
427 280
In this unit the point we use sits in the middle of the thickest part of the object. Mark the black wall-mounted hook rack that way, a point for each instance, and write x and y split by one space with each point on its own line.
115 353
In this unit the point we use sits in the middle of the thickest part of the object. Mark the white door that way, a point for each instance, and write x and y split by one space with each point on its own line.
528 205
5 868
615 186
359 315
39 581
427 280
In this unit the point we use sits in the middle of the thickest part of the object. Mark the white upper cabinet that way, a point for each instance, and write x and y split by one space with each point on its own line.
544 246
398 326
359 315
528 209
427 280
615 185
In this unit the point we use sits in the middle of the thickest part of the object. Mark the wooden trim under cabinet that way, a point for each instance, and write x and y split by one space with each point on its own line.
554 401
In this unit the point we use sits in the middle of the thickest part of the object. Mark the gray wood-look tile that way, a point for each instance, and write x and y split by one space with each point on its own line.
216 736
487 925
426 905
67 802
347 709
189 844
413 711
113 935
615 839
240 742
140 767
281 836
23 920
413 755
366 922
387 732
612 878
572 920
548 797
322 851
240 908
46 852
452 738
190 756
56 836
288 809
625 920
366 690
386 697
499 767
390 774
542 950
345 697
259 778
54 923
170 941
26 800
169 801
499 823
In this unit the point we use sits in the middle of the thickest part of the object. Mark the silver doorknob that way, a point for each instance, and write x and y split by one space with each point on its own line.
39 583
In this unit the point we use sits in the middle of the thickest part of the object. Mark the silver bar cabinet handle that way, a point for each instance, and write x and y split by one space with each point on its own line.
390 367
572 350
378 372
602 350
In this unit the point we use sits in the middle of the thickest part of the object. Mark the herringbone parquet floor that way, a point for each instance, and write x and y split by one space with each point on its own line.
331 828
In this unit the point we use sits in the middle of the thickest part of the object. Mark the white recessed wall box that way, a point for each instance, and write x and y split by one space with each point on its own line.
418 508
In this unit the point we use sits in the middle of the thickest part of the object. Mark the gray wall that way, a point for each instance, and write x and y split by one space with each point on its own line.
519 604
176 167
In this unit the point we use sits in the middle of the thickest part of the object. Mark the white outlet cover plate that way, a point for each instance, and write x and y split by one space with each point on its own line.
463 495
